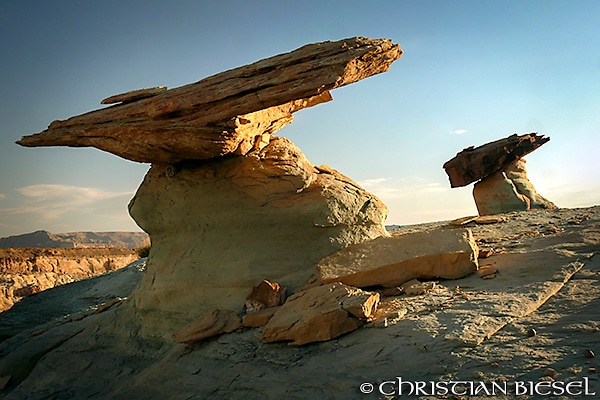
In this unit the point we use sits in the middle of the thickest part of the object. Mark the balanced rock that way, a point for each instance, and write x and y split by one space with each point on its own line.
475 163
230 113
219 227
320 313
508 190
391 261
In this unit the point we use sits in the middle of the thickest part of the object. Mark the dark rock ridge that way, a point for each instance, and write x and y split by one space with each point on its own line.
45 239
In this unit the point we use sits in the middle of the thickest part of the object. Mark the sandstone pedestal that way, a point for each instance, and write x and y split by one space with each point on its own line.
507 191
220 227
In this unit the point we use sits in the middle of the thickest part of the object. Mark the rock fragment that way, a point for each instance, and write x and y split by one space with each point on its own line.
391 261
212 323
415 287
320 313
258 318
266 294
134 95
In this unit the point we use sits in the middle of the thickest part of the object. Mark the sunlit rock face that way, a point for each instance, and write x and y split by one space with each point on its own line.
508 190
219 228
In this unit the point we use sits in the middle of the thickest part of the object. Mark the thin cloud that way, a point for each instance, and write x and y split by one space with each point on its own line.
372 182
458 132
51 202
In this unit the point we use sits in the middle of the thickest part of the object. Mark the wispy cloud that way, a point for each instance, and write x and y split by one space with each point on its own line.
372 182
2 196
458 132
51 202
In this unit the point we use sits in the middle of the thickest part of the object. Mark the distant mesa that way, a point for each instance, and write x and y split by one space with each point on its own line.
499 168
45 239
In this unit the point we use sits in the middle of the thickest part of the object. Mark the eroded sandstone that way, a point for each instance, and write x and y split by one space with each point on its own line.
219 227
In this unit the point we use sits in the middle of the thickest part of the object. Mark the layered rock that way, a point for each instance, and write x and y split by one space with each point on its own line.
500 171
476 163
391 261
228 113
28 271
225 203
219 227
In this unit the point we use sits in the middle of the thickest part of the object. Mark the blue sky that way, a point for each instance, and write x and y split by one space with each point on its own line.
472 72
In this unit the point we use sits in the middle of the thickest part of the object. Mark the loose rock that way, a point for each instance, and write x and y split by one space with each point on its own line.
266 294
320 313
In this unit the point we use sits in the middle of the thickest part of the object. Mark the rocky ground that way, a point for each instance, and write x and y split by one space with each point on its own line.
535 322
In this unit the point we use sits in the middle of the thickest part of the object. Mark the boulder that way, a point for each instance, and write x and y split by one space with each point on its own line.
391 261
320 313
507 191
225 114
212 323
219 227
475 163
266 294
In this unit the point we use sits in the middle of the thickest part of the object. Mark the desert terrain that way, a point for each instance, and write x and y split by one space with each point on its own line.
536 320
31 263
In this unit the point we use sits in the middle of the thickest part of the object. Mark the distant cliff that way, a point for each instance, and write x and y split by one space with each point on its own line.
45 239
24 272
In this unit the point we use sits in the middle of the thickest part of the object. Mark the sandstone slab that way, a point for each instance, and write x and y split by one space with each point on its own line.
475 163
320 313
212 323
258 318
391 261
228 113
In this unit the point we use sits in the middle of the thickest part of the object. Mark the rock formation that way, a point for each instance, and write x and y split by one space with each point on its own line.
499 168
226 204
229 113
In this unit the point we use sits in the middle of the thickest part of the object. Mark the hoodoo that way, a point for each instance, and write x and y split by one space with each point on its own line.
227 204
